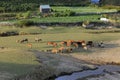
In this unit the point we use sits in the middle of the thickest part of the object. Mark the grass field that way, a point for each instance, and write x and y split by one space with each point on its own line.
83 9
16 58
68 19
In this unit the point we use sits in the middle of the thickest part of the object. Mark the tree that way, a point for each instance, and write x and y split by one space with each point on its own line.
109 2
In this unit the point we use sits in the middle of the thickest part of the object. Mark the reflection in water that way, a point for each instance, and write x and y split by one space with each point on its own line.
100 70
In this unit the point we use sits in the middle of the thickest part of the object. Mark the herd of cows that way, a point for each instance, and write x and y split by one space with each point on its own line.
66 46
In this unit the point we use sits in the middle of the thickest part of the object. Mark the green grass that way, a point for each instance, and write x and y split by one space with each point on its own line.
67 19
84 9
62 19
17 62
16 58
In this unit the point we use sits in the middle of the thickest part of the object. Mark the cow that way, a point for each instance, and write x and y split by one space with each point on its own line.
69 42
63 43
23 40
38 39
69 50
52 43
61 49
90 43
101 45
80 43
55 51
29 45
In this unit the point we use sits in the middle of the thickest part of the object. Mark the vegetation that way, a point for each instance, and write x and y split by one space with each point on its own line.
25 5
110 2
79 9
22 61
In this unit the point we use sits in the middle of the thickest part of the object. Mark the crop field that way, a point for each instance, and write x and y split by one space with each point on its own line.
68 19
83 9
11 17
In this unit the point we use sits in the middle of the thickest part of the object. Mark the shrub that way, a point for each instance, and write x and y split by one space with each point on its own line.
24 23
8 33
63 13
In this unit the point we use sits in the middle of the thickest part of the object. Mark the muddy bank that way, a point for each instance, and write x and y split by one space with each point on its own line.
54 65
103 69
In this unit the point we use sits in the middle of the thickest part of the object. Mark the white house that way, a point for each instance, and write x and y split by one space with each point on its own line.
45 8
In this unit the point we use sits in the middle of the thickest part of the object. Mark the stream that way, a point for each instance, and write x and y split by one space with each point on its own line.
100 70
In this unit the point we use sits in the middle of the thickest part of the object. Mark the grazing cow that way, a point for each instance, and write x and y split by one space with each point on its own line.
90 43
38 39
69 50
69 43
29 45
101 45
63 43
24 40
61 49
84 46
75 45
52 43
55 51
78 44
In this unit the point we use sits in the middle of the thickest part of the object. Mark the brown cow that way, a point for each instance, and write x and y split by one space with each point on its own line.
69 42
61 49
55 51
63 43
69 50
29 45
52 43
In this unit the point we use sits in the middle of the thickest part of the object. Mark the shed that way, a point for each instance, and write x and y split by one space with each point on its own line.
104 19
45 8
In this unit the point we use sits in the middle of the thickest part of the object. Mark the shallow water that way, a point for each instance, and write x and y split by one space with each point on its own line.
101 70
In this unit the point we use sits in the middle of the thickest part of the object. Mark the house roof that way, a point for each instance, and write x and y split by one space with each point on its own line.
44 6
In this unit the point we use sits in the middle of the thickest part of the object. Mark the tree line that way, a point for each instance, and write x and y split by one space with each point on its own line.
25 5
109 2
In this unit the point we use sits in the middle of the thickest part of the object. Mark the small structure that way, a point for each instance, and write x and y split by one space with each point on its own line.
104 19
45 9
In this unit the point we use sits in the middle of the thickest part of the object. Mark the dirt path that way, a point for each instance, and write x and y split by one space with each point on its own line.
62 62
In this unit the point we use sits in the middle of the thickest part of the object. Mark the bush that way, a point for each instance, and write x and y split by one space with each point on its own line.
118 10
24 23
8 33
63 13
111 7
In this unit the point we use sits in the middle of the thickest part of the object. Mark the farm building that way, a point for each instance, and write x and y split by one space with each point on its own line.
45 8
